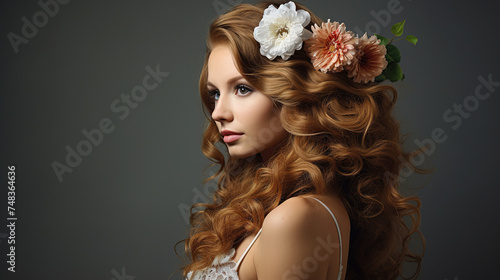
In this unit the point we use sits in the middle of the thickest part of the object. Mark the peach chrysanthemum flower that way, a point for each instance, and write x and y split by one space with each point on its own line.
369 61
330 47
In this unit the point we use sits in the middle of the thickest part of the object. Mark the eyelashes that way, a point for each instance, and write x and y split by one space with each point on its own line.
240 88
245 87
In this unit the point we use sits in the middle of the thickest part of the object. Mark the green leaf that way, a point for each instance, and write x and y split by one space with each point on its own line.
388 57
397 29
412 39
393 72
393 53
383 40
380 78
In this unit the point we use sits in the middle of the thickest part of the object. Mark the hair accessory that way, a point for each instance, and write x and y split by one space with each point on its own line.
281 31
330 47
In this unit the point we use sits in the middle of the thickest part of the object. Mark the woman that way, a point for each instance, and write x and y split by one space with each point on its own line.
309 189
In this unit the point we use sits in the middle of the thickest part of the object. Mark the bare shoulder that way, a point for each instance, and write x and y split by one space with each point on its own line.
302 213
294 213
292 233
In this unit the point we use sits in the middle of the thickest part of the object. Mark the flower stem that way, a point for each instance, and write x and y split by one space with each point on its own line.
392 40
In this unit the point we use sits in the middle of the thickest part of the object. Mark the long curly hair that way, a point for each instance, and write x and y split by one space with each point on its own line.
341 138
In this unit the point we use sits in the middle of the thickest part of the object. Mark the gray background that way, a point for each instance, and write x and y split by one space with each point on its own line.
119 212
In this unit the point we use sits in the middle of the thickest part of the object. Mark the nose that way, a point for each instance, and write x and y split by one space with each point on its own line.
222 110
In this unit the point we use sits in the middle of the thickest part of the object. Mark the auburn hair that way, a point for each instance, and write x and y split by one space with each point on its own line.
341 138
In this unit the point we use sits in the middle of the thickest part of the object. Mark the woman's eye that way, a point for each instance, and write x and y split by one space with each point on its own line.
214 93
244 90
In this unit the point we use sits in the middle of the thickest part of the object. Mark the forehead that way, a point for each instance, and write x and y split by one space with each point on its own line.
221 64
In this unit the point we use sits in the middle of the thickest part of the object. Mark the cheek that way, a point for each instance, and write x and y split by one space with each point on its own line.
264 125
257 114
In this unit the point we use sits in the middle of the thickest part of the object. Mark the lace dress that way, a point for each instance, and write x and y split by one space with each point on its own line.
223 268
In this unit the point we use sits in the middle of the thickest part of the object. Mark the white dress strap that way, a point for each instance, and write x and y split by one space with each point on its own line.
248 248
340 238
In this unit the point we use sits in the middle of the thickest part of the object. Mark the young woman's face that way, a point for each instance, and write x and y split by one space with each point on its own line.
245 117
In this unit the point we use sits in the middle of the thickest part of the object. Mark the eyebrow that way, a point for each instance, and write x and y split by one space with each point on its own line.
230 81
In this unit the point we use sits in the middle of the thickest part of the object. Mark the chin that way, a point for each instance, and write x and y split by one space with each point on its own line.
242 154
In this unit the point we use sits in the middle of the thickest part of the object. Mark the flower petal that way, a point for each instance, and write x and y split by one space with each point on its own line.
281 31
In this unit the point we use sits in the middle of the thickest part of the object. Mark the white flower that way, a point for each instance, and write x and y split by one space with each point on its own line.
281 31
